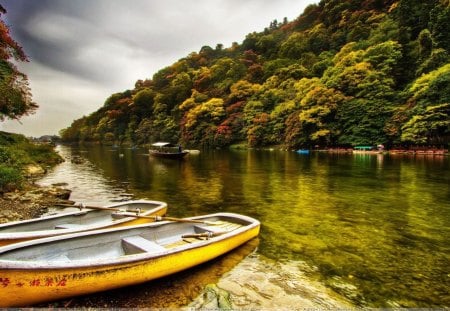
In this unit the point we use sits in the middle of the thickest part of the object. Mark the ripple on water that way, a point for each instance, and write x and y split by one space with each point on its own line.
85 182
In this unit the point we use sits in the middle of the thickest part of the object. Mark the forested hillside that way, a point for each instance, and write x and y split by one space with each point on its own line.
343 73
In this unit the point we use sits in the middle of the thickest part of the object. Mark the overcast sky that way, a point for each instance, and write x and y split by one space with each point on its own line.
82 51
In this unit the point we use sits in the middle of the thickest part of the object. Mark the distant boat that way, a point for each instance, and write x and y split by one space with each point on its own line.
86 218
167 150
78 264
303 151
193 151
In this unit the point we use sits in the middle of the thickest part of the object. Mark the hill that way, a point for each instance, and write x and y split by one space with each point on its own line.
343 73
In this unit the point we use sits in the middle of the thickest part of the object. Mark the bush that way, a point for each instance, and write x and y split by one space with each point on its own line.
8 139
40 153
11 156
16 152
10 178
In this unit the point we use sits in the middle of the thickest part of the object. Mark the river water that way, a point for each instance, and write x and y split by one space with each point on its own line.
337 229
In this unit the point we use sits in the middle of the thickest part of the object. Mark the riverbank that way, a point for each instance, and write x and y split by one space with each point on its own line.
413 150
21 163
31 201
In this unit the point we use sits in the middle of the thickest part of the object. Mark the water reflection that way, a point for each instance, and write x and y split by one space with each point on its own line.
376 227
88 182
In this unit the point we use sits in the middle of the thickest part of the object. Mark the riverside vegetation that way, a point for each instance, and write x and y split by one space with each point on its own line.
20 162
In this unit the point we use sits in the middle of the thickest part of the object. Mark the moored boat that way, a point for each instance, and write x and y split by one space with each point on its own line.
167 150
83 219
59 267
303 151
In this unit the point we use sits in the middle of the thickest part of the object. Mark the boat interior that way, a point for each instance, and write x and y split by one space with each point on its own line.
75 219
114 244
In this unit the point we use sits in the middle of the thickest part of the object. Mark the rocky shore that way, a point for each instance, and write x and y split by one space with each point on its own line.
31 201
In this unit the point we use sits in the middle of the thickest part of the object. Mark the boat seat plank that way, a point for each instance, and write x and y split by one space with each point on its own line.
225 226
137 244
206 228
67 226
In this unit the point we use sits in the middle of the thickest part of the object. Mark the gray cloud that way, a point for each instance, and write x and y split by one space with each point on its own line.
98 47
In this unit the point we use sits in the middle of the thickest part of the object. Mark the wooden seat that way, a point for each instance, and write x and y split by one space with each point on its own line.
137 244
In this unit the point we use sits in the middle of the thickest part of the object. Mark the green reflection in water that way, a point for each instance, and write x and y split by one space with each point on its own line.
376 226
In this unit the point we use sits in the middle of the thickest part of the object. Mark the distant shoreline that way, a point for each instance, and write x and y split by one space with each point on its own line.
433 152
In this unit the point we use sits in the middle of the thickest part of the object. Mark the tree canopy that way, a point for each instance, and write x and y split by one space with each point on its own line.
341 74
15 93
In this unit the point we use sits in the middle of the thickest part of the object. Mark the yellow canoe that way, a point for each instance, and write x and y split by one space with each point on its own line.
77 264
84 219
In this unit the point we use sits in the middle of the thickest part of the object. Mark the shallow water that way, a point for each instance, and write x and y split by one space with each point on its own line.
371 228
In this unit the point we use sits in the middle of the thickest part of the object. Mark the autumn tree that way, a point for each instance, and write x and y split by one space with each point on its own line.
15 94
201 121
344 73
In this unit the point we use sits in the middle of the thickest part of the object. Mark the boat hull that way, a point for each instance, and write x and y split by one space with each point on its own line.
19 231
28 286
168 155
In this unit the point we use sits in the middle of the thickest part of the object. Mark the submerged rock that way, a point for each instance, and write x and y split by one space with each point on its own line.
344 288
213 298
259 283
60 193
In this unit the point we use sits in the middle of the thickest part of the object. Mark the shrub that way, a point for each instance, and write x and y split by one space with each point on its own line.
13 157
40 153
16 152
10 178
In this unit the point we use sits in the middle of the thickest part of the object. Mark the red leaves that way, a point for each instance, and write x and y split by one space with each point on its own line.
8 47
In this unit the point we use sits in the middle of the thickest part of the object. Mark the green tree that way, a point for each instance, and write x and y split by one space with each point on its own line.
318 115
440 25
144 132
414 15
428 116
431 126
386 30
319 39
294 46
180 87
143 101
366 77
425 44
438 58
432 88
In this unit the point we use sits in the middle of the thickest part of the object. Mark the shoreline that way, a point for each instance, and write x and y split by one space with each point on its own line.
419 152
32 201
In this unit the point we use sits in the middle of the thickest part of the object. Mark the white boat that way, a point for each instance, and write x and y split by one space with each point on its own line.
83 219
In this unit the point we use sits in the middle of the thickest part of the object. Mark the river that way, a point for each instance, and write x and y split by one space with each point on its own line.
338 230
